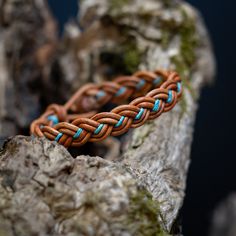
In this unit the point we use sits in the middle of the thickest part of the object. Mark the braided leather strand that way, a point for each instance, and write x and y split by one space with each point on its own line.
153 93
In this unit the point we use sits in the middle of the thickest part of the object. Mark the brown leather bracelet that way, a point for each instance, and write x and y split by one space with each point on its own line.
78 122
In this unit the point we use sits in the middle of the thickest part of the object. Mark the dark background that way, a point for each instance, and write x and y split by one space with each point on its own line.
212 172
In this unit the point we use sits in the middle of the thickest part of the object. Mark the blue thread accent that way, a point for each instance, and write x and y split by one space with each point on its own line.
140 84
120 122
156 105
77 134
169 100
120 91
157 81
100 94
178 87
58 137
99 128
139 114
54 119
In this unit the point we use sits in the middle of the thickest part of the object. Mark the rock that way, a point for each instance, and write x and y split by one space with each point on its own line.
141 191
27 43
224 218
44 191
157 34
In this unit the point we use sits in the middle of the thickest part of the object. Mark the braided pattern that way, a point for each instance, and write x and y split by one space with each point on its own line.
61 123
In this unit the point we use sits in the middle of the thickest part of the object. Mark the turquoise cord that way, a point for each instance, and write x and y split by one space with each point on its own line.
169 100
178 87
140 84
119 123
120 91
58 137
157 81
139 114
99 128
156 105
77 134
100 94
54 119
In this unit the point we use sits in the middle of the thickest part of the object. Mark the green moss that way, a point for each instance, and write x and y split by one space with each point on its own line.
117 4
131 57
140 218
189 40
123 59
185 61
186 58
188 43
184 72
142 215
183 105
166 35
168 3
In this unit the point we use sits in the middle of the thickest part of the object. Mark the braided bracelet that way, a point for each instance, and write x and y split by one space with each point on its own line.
78 122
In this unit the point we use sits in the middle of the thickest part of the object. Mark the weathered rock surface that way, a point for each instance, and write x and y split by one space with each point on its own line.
27 43
224 218
44 191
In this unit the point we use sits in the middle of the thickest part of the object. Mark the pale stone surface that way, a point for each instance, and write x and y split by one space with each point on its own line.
141 191
47 192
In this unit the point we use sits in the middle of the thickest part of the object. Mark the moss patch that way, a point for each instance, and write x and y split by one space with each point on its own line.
131 57
189 41
185 60
117 4
142 215
184 72
166 35
183 105
139 217
124 59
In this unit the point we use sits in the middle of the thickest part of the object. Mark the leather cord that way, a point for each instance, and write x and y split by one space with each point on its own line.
78 121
